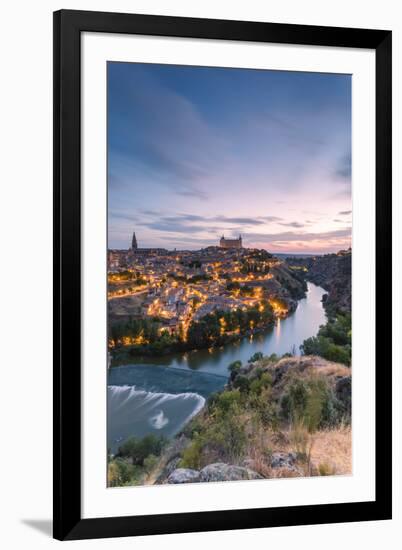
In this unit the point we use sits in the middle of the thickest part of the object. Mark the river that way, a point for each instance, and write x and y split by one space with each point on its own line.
160 395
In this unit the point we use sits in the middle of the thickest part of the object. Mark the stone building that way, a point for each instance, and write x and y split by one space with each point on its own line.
231 243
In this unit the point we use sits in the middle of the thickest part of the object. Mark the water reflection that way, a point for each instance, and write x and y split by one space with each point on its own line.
278 331
286 336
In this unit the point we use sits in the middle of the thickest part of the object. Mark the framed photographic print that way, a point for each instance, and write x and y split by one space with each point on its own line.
222 269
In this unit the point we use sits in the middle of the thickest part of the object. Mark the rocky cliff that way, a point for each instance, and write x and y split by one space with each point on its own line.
333 272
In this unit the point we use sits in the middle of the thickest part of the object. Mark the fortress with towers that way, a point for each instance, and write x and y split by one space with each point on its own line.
231 243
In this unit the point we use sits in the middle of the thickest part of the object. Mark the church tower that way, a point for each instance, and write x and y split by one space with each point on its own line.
134 244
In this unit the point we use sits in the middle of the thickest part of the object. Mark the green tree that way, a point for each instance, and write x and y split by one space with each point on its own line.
138 449
258 355
333 341
234 368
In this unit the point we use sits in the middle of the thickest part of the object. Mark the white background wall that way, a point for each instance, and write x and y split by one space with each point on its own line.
26 269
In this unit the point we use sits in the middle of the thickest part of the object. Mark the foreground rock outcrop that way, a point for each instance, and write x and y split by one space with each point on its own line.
184 475
212 473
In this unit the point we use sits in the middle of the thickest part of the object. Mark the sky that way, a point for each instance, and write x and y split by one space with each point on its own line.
195 153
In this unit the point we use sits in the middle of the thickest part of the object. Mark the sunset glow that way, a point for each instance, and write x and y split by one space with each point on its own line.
196 152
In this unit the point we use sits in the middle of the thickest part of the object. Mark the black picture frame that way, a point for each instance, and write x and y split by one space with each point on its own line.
68 26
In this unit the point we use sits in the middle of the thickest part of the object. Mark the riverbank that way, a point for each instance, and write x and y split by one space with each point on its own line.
126 354
285 336
215 330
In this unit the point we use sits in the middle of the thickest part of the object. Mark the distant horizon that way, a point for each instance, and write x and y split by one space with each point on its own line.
284 253
197 152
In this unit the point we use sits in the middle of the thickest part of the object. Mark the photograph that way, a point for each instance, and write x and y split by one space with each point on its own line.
208 191
229 350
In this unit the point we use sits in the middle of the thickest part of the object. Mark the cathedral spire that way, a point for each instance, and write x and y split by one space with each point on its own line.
134 244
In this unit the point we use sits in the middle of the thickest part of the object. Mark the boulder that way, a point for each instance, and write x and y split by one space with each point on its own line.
283 460
184 475
171 457
167 469
220 471
248 463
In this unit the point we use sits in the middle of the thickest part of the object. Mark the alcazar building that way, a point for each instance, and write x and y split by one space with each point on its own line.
231 243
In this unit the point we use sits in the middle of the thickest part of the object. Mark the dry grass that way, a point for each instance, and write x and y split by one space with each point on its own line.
304 366
332 451
325 452
286 473
259 462
335 369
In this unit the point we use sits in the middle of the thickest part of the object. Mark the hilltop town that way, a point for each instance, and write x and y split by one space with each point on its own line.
168 296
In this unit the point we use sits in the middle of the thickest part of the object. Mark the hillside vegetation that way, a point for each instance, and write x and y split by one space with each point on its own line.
334 273
333 340
286 417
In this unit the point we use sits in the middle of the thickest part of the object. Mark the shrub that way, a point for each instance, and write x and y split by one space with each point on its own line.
193 427
234 369
235 366
325 469
150 462
310 401
264 380
228 435
257 372
120 472
294 400
333 341
138 449
273 358
302 442
113 475
265 408
258 384
242 383
255 386
223 432
192 455
256 357
227 400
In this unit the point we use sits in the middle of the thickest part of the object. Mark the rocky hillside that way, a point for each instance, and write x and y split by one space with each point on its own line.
291 283
276 418
334 273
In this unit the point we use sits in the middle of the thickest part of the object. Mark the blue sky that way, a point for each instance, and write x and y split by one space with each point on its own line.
197 152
